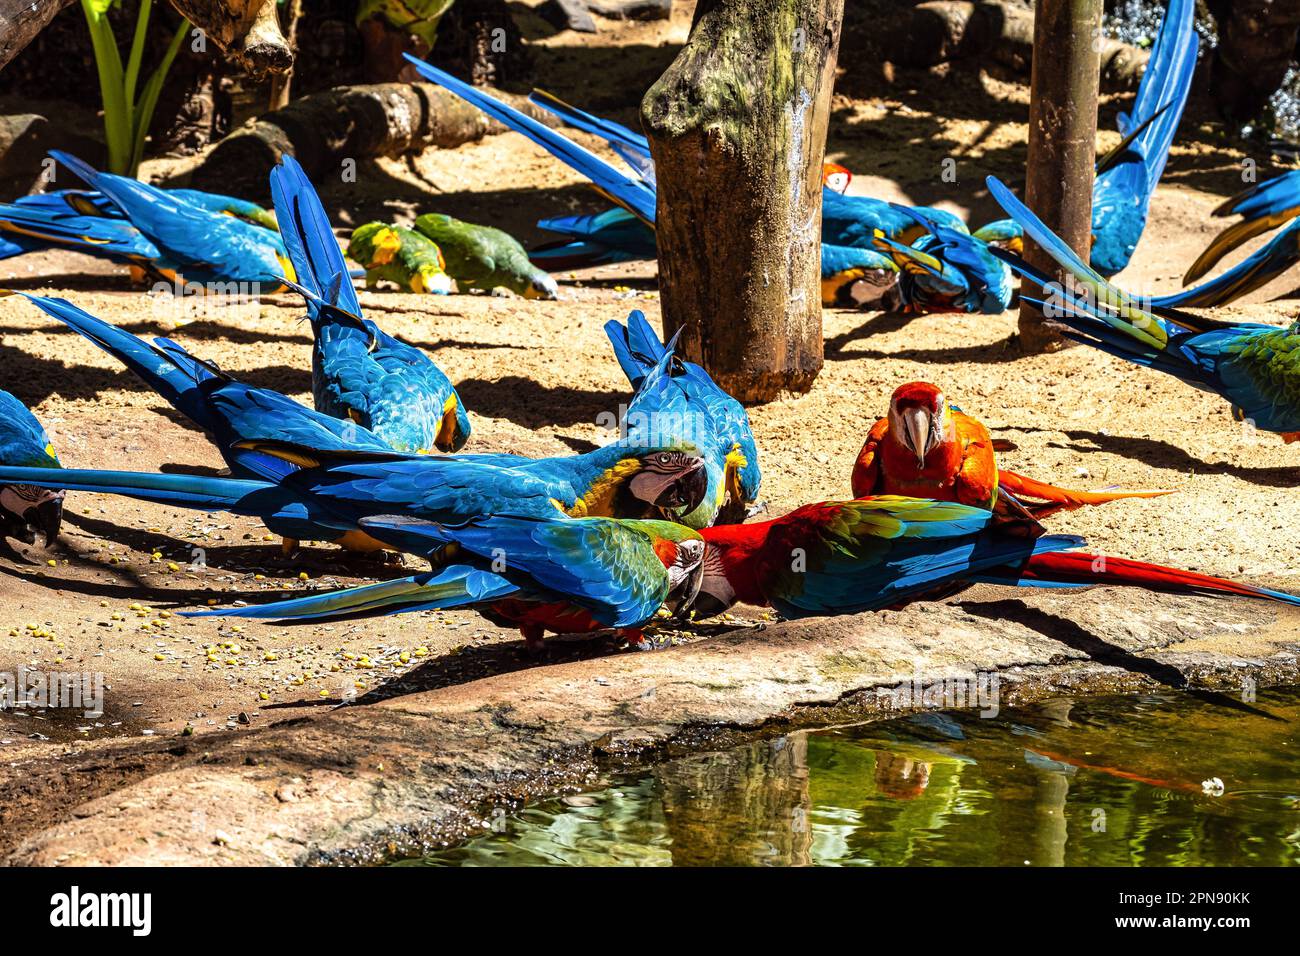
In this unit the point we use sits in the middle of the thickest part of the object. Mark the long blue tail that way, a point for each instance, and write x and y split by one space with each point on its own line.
163 371
1258 269
35 226
456 586
257 499
309 239
633 195
1122 192
633 147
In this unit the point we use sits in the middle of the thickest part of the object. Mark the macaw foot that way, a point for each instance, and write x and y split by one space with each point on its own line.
534 643
636 639
288 546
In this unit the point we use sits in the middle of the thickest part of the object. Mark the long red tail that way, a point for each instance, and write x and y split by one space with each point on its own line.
1065 499
1083 568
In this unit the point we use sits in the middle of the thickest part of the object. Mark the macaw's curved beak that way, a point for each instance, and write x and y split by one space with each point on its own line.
917 425
681 485
46 518
449 437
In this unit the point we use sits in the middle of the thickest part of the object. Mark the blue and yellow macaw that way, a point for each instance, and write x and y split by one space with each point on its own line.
846 221
573 576
360 372
946 269
27 509
1255 367
853 556
1262 206
844 267
1127 176
160 233
310 476
673 396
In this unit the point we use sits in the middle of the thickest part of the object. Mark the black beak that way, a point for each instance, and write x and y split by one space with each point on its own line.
47 517
672 490
688 490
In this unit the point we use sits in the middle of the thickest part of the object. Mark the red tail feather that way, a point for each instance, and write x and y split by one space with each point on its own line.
1080 567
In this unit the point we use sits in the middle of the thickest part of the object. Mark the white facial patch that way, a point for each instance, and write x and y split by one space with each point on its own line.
19 499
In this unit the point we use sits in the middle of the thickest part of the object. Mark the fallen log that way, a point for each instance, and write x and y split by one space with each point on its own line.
997 30
326 130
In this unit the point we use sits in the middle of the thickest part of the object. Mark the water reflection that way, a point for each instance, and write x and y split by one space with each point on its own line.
1106 781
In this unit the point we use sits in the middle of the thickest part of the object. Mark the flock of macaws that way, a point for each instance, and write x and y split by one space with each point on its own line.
657 519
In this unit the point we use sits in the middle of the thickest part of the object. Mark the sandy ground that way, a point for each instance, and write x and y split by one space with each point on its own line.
536 376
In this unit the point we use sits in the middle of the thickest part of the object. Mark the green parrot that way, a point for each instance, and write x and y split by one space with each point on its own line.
481 257
401 256
417 17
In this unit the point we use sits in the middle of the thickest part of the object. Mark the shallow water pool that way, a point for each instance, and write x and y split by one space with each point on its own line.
1156 780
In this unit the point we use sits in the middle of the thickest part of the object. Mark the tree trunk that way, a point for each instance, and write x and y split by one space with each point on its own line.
737 127
478 40
1062 142
21 20
1257 42
352 123
248 30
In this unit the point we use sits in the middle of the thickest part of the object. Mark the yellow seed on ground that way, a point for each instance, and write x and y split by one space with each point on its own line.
160 657
263 695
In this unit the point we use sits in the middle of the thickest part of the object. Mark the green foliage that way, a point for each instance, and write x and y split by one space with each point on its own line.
126 117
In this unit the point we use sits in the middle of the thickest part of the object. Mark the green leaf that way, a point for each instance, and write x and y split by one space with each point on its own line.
149 98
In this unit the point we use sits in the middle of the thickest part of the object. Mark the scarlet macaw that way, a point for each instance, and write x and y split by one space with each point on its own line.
927 448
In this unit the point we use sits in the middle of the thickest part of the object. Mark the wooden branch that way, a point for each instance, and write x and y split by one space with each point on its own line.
347 123
247 30
737 126
21 20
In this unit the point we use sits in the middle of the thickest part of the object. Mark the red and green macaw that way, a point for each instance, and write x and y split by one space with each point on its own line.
1256 367
828 558
843 557
27 509
162 232
927 448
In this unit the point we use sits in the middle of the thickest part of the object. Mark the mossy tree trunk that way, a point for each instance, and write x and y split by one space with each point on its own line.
1062 141
737 128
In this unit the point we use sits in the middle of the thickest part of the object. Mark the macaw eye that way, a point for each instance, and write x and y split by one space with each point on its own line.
664 459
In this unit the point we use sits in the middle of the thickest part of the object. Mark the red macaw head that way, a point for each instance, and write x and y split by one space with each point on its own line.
919 419
836 177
